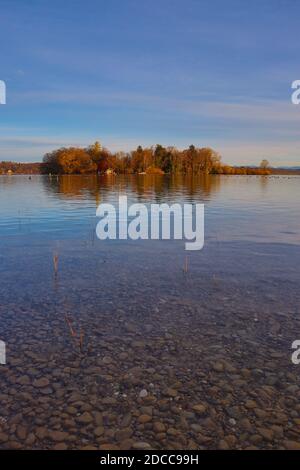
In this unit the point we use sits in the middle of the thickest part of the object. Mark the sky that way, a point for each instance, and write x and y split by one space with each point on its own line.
127 72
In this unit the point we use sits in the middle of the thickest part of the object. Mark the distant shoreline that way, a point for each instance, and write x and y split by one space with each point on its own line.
15 168
155 160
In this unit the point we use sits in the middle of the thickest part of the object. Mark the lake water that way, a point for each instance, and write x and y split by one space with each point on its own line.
143 344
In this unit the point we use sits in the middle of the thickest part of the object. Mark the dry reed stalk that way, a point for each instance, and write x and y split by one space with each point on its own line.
55 264
81 340
78 341
69 323
186 265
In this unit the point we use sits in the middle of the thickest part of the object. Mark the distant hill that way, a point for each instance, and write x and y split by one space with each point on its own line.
288 168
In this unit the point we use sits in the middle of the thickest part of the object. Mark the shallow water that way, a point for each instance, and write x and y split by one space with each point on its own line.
211 346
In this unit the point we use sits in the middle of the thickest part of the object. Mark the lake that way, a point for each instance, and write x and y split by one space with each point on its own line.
126 344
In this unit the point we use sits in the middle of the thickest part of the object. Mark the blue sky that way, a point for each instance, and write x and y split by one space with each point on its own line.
129 72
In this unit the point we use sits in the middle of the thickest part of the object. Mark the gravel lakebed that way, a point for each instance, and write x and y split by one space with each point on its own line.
168 359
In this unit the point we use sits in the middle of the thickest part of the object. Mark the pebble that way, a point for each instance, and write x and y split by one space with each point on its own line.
58 436
60 446
21 432
223 445
24 380
123 434
159 427
99 431
200 408
141 446
85 418
218 367
144 419
170 392
40 383
3 437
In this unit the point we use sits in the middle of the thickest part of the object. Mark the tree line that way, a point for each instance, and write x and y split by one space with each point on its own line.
20 168
149 160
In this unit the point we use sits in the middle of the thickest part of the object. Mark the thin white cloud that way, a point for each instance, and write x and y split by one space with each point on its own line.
259 111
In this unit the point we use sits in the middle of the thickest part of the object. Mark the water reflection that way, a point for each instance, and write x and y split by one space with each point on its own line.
237 207
155 188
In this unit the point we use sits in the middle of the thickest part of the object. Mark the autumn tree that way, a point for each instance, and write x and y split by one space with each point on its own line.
94 151
264 164
206 160
163 159
199 160
70 160
137 160
105 161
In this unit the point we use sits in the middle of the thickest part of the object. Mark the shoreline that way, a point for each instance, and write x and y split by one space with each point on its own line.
272 172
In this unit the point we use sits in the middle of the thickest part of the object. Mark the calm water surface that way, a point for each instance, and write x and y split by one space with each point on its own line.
237 208
218 335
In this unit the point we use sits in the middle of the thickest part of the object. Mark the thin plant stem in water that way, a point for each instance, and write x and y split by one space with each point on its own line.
55 264
81 340
69 323
186 265
78 340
